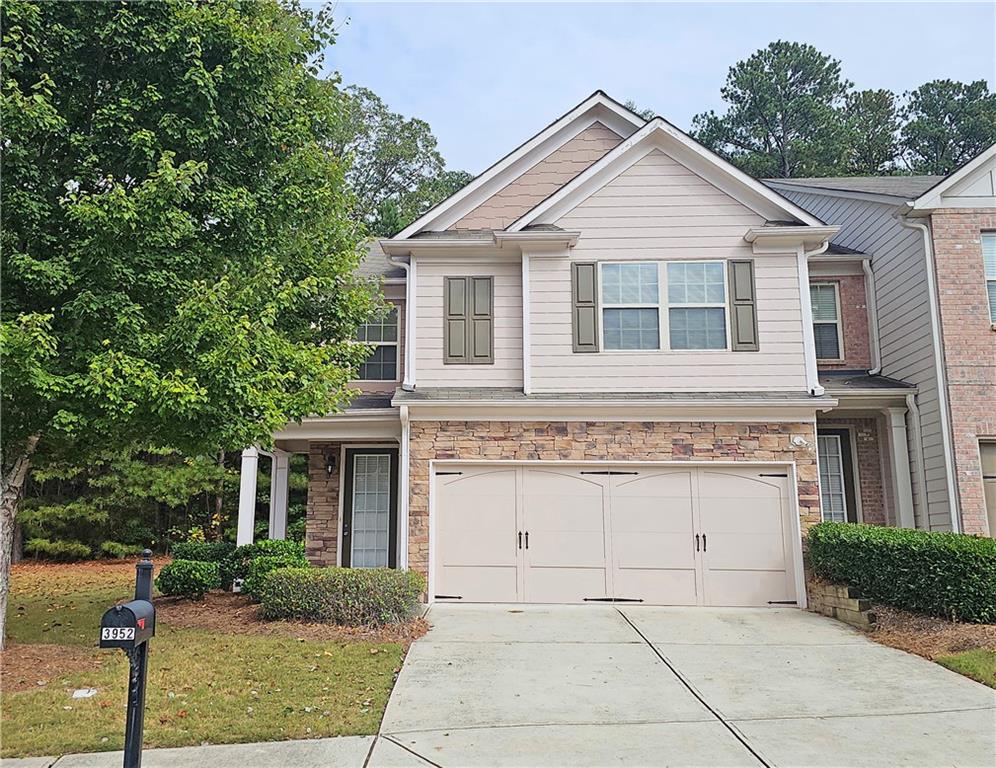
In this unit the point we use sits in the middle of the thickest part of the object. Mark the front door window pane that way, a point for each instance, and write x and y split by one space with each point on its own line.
371 510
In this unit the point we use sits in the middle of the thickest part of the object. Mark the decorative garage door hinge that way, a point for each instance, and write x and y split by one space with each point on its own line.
783 602
607 472
773 474
448 597
440 474
613 600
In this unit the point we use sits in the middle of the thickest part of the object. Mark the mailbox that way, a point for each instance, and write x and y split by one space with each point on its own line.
128 625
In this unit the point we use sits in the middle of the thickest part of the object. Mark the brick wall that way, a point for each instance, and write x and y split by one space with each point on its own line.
854 317
871 485
969 349
591 441
321 534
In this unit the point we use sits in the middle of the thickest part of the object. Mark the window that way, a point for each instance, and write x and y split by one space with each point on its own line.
826 321
831 460
631 306
696 297
382 365
989 259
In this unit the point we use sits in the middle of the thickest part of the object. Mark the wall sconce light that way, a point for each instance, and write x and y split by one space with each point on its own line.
329 462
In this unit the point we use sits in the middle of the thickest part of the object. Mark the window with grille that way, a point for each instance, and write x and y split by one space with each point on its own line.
989 260
382 365
831 460
826 321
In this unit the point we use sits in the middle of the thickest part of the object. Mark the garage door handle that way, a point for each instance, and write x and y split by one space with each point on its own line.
527 539
703 542
696 542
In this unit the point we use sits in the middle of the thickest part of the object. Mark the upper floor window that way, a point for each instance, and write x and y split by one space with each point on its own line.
826 321
989 259
632 305
382 365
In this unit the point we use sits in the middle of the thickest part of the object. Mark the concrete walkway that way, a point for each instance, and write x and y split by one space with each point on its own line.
640 686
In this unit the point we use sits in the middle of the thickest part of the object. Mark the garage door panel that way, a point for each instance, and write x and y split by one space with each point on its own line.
480 584
564 585
553 549
739 588
747 552
656 586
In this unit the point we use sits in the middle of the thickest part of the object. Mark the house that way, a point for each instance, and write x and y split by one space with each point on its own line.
930 256
601 383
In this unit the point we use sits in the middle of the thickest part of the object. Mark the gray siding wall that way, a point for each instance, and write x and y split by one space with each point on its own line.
904 325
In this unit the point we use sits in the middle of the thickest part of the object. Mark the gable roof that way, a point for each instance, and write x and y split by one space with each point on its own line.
950 184
598 107
660 134
900 187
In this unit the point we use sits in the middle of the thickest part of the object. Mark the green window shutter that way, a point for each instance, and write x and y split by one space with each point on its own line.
584 306
743 310
482 320
455 325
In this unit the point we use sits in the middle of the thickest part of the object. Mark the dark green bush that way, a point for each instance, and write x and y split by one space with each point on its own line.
118 550
236 565
351 597
61 551
942 574
205 551
260 566
188 578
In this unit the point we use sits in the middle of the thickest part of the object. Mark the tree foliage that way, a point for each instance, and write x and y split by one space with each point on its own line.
395 169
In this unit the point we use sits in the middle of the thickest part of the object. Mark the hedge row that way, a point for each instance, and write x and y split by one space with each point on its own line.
351 597
188 578
942 574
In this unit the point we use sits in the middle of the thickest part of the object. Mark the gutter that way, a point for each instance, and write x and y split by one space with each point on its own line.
942 388
408 384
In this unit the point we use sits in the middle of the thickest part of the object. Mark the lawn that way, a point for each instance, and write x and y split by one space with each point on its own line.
978 664
233 679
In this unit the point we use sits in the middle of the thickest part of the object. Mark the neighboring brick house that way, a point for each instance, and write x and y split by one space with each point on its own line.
931 250
602 383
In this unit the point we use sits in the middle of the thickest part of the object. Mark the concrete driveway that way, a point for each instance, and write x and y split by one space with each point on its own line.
640 686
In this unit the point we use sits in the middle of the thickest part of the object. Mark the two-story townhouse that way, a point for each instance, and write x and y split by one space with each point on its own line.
929 246
602 384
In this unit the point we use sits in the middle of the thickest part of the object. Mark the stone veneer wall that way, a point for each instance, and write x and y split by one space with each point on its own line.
969 350
871 486
321 533
600 441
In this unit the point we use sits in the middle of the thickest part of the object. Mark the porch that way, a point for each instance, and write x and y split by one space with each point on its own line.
867 470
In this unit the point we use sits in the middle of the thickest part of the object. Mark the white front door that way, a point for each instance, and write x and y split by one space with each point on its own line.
370 497
657 535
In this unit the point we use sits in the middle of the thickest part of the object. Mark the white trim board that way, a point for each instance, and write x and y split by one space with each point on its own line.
597 108
660 135
934 197
790 466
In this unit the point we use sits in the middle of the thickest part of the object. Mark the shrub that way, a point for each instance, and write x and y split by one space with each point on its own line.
205 551
943 574
351 597
61 551
236 565
188 578
119 550
260 566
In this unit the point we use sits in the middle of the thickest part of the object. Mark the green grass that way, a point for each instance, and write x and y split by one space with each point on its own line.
978 664
203 686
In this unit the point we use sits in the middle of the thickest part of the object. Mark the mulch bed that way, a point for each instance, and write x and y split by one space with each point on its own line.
236 614
27 667
929 636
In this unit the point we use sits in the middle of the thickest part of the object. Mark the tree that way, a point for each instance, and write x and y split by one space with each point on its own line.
178 246
871 121
782 117
396 172
946 124
646 113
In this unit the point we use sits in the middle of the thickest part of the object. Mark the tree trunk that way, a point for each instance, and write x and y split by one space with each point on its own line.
11 489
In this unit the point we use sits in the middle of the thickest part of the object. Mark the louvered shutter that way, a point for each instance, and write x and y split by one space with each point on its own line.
584 309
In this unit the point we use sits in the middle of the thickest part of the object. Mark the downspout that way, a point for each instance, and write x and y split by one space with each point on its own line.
808 339
942 390
527 363
876 346
409 266
403 495
921 472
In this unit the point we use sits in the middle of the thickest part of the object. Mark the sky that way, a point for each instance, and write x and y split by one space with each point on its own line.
487 76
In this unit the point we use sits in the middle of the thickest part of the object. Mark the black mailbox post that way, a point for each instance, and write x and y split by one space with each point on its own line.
129 627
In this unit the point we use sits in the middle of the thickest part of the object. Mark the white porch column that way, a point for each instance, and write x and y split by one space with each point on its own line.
247 496
279 475
902 488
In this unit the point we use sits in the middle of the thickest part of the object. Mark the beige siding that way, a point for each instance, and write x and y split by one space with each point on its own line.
542 180
506 371
658 210
904 325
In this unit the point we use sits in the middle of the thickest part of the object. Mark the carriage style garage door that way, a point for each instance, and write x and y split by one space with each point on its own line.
718 536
